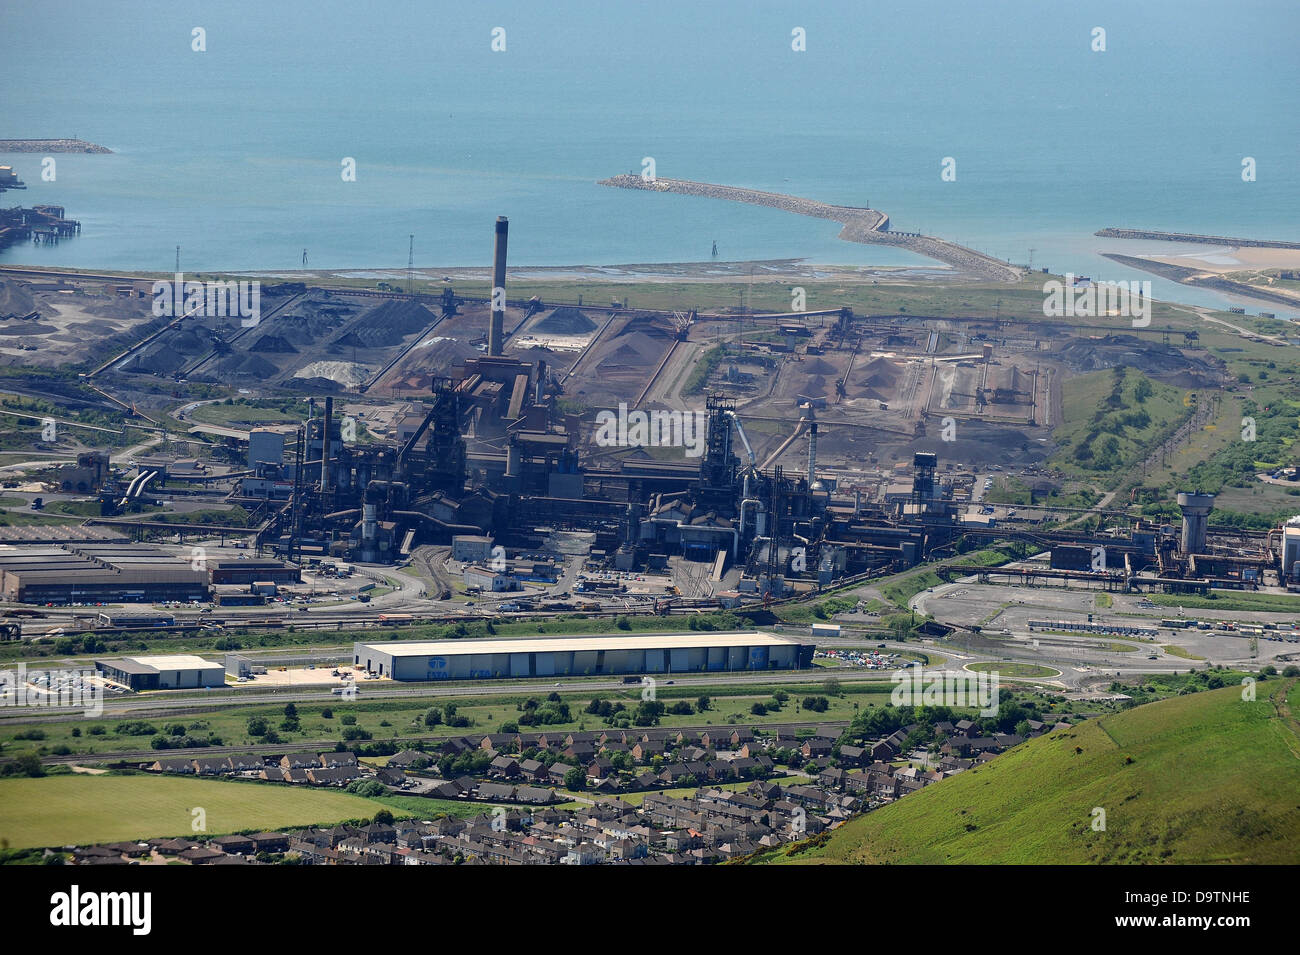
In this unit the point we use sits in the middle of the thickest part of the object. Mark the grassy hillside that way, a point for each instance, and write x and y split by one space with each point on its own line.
1111 419
1202 778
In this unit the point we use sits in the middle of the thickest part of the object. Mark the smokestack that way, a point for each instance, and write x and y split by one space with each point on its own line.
812 453
496 331
325 445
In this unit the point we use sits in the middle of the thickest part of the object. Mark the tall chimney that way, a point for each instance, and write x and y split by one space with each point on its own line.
496 331
812 453
325 445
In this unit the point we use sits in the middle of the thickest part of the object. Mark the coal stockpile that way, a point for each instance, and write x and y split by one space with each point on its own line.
1164 362
385 325
565 320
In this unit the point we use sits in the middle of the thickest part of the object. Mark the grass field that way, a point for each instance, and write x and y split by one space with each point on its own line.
1013 669
386 720
1266 603
1201 778
80 810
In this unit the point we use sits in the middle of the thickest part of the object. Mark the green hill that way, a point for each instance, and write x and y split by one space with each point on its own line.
1202 778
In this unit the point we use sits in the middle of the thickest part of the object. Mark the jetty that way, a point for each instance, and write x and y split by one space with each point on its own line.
860 224
50 146
1192 237
41 225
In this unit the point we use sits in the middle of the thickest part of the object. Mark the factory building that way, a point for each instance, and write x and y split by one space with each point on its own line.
97 573
254 572
471 548
582 656
177 672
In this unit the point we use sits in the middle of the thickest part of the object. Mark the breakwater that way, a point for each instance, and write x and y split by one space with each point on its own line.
50 146
860 224
1109 233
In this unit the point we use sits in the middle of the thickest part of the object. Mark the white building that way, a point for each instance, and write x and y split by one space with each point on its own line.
487 579
1291 551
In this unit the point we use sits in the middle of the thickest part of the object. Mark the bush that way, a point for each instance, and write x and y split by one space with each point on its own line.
348 719
135 728
257 726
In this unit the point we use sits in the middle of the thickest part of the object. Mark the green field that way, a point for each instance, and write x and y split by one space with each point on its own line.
1218 600
1201 778
390 720
1006 669
82 810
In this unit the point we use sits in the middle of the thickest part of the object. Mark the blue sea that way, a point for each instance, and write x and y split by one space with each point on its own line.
235 153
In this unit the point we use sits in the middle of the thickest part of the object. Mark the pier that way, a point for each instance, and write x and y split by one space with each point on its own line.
42 225
860 224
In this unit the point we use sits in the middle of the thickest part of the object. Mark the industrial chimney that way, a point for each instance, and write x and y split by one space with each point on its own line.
496 331
325 445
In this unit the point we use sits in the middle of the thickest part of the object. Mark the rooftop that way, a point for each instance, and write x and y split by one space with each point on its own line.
651 641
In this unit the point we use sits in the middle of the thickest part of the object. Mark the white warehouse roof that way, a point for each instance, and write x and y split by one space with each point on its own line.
180 661
649 641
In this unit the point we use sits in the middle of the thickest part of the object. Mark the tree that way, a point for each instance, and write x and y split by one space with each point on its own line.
758 709
831 687
432 716
703 703
25 764
290 711
256 726
383 818
575 780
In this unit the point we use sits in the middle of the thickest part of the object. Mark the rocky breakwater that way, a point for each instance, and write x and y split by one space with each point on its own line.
50 146
868 226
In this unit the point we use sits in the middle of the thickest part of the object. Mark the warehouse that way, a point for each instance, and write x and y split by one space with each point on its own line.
582 656
176 672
